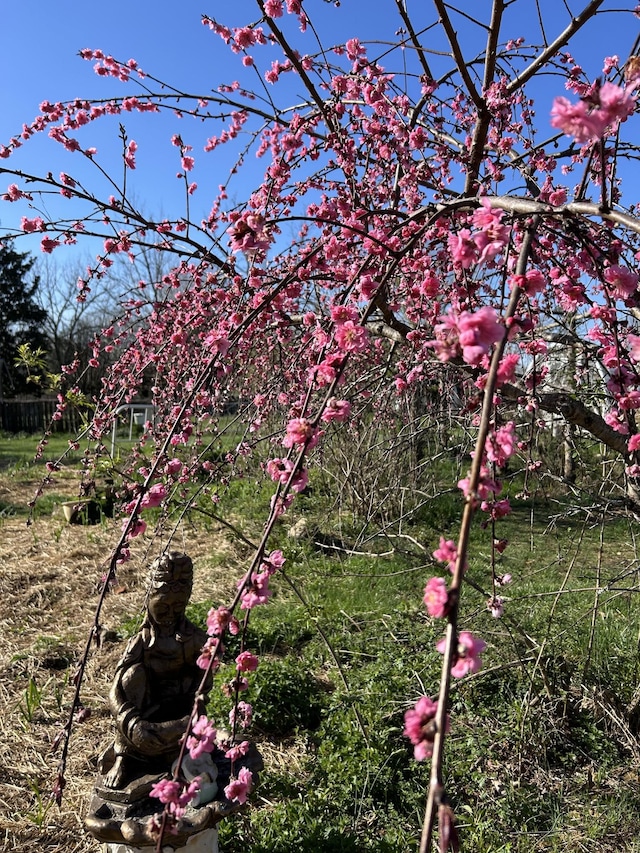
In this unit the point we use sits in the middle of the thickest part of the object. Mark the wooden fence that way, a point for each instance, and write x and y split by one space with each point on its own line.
34 416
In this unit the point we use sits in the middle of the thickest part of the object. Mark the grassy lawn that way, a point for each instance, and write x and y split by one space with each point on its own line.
543 752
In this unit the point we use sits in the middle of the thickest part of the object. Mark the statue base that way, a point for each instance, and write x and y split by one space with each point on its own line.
203 842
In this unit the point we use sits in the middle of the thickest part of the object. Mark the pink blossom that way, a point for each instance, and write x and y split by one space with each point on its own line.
204 660
494 236
436 598
463 248
486 485
501 444
470 334
238 789
137 528
336 410
31 225
531 282
166 790
188 163
634 348
173 467
368 286
14 193
129 156
48 245
507 368
446 552
246 662
218 342
478 331
633 443
341 312
242 715
257 592
351 337
420 727
495 606
301 432
576 120
273 8
279 505
623 281
497 509
591 118
154 496
616 103
221 619
249 234
280 469
326 371
236 752
467 658
274 561
175 795
202 738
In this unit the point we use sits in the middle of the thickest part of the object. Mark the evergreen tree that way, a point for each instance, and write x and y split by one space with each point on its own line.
21 318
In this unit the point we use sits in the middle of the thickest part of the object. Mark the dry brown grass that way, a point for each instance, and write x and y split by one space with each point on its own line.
48 594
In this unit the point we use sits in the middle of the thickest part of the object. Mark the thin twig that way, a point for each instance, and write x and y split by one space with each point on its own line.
436 787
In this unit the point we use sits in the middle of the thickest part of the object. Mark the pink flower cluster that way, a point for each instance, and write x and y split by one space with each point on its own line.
447 552
241 715
595 115
436 598
238 789
487 486
420 727
246 662
468 334
202 738
469 248
154 497
623 281
280 471
301 432
248 233
221 619
257 591
350 336
501 444
468 653
336 410
176 795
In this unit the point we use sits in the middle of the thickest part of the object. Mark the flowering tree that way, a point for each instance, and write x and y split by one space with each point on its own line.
414 219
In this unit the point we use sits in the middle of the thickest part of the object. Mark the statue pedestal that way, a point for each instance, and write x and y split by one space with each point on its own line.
203 842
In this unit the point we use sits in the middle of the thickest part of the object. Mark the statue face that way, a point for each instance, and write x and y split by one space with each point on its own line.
167 606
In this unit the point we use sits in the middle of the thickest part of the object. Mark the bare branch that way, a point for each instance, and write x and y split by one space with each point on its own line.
564 37
456 52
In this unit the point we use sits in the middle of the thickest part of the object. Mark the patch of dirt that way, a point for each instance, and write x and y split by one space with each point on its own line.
49 578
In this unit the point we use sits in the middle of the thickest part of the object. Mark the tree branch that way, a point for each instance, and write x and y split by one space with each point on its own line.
554 47
457 54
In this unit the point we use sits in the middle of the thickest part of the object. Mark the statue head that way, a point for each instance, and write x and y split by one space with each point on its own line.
170 588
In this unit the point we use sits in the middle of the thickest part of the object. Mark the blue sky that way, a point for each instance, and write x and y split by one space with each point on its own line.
39 61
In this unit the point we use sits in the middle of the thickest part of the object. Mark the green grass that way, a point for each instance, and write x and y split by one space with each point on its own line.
541 755
17 451
539 746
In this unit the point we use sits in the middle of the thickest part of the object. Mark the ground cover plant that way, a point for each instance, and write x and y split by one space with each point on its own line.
435 377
